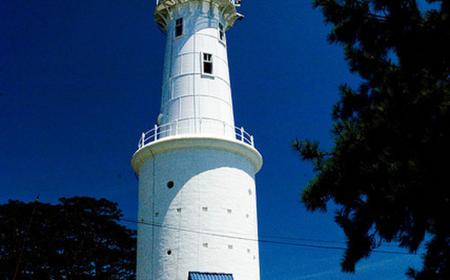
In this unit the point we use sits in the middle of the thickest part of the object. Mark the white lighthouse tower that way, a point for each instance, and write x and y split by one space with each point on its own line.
197 198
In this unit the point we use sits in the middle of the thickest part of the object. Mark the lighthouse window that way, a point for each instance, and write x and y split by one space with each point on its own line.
207 63
221 32
179 27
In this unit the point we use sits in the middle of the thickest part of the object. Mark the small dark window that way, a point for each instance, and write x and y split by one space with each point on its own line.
170 184
221 32
179 27
207 63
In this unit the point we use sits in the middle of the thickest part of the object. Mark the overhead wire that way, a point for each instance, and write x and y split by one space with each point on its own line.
265 240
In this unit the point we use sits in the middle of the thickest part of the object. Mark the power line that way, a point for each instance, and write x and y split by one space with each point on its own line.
264 241
314 240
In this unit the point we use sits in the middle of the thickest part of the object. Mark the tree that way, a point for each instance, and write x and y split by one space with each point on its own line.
79 238
388 168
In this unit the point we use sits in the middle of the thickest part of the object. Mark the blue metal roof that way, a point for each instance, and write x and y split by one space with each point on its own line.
209 276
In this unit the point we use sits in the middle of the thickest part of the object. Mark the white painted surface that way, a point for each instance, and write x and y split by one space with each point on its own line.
196 141
187 94
208 220
213 179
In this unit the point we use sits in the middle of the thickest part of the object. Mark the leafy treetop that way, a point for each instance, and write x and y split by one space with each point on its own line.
78 238
388 170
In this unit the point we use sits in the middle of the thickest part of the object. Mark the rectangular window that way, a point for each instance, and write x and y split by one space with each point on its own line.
179 27
221 32
207 61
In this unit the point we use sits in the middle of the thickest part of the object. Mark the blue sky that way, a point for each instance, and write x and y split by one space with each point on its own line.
80 80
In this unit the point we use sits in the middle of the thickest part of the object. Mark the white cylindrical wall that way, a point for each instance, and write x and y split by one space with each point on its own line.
208 220
195 102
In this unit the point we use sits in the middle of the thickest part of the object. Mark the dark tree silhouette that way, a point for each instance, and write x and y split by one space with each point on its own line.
78 238
388 170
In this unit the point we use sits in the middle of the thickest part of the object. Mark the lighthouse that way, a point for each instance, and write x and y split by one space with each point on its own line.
197 197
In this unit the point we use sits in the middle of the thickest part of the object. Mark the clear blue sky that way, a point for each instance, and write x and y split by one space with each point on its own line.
80 80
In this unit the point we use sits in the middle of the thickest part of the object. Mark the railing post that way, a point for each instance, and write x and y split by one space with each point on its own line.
252 141
242 134
155 129
142 140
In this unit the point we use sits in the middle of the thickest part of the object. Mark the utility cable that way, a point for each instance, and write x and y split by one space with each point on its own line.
263 241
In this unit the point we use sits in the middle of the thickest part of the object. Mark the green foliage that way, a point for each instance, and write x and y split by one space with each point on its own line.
79 238
388 169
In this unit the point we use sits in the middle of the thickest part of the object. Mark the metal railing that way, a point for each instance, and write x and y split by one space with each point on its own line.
196 126
236 3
